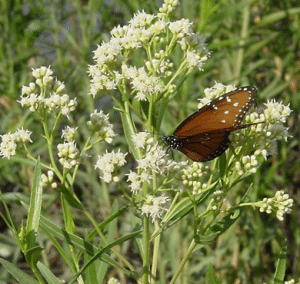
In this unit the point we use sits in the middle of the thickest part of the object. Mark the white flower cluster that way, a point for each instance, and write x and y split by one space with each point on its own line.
8 146
276 112
281 203
136 180
113 280
155 157
141 82
48 180
167 7
292 281
37 102
191 176
247 164
69 155
143 31
68 133
107 165
43 76
263 136
211 93
99 124
154 206
217 200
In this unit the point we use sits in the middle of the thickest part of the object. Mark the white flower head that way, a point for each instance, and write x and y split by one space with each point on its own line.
108 163
145 85
100 125
211 93
247 164
69 154
167 8
136 180
276 112
191 177
43 76
39 103
158 26
280 203
139 139
141 19
181 28
107 52
69 133
22 135
195 60
8 145
113 280
154 207
28 90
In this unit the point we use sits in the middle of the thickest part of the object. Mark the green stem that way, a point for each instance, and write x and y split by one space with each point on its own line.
50 151
155 255
184 261
149 122
146 259
240 53
37 274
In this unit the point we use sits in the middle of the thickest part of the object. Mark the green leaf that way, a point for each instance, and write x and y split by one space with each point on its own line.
277 16
48 275
137 223
103 224
207 239
211 274
17 273
221 226
105 249
98 269
68 216
71 198
128 131
56 232
34 211
33 255
181 209
222 164
281 265
112 225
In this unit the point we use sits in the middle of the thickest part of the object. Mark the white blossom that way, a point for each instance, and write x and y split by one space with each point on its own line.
108 163
154 207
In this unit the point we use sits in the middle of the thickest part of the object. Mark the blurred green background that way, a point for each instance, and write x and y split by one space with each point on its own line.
251 43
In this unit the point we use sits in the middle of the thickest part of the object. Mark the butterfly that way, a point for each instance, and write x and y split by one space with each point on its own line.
204 135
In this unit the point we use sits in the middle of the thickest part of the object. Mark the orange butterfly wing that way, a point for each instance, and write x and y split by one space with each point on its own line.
204 135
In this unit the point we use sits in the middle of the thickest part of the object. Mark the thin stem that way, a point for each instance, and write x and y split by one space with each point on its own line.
50 152
240 53
184 260
155 254
146 260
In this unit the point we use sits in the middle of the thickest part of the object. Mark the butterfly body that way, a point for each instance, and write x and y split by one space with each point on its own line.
204 135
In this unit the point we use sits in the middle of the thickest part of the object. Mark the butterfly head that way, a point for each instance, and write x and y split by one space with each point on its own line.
172 141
